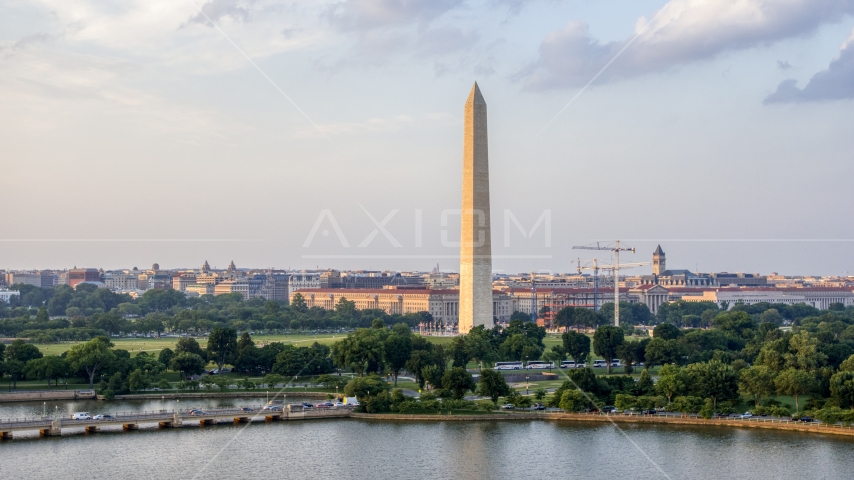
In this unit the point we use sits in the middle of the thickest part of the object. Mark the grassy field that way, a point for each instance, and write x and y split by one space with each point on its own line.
154 345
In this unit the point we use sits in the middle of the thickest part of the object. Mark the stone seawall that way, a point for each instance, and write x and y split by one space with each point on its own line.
449 418
262 394
43 395
637 419
732 423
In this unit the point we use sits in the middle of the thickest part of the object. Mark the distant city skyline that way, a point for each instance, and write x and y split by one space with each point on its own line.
175 132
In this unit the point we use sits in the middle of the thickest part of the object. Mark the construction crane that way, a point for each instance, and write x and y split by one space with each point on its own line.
596 267
616 249
533 299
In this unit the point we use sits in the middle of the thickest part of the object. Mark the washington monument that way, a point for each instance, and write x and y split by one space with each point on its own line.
475 241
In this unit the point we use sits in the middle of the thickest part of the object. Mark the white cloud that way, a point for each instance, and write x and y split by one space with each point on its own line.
834 83
362 15
682 31
171 32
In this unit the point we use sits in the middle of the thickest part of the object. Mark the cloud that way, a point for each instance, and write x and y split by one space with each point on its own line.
217 9
683 31
363 15
834 83
784 65
383 29
515 7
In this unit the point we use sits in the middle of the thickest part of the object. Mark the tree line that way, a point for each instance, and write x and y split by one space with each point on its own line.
60 313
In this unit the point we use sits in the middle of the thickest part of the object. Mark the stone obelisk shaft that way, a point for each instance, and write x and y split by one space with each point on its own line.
475 241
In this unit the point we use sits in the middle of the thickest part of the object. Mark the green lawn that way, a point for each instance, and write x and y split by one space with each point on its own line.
154 345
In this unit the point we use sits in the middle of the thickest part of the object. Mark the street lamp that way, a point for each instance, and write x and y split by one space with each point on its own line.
526 383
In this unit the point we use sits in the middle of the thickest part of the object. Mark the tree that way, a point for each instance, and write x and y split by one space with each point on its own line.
298 303
50 367
189 345
645 385
246 358
665 331
332 381
222 382
222 345
492 384
165 356
671 381
713 379
606 342
91 356
364 387
805 354
572 401
629 353
137 380
521 347
576 345
22 351
842 388
478 344
662 352
15 370
687 404
795 383
458 381
273 379
397 349
757 382
188 364
847 365
360 350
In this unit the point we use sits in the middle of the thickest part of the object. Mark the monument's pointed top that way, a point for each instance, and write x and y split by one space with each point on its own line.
475 96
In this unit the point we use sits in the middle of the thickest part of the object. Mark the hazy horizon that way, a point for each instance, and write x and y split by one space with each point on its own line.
141 133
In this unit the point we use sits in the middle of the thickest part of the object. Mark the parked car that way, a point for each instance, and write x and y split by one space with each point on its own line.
508 406
340 404
609 409
307 405
195 412
81 416
247 410
538 406
720 415
272 408
806 419
324 405
104 416
651 411
746 415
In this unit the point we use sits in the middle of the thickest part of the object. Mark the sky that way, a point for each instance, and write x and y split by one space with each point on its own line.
328 134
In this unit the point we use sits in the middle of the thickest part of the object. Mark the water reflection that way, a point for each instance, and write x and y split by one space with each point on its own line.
437 450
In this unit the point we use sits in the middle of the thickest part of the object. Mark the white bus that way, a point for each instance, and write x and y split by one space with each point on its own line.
572 364
539 365
508 366
599 364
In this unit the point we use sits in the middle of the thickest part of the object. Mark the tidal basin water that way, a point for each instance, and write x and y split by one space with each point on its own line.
352 449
